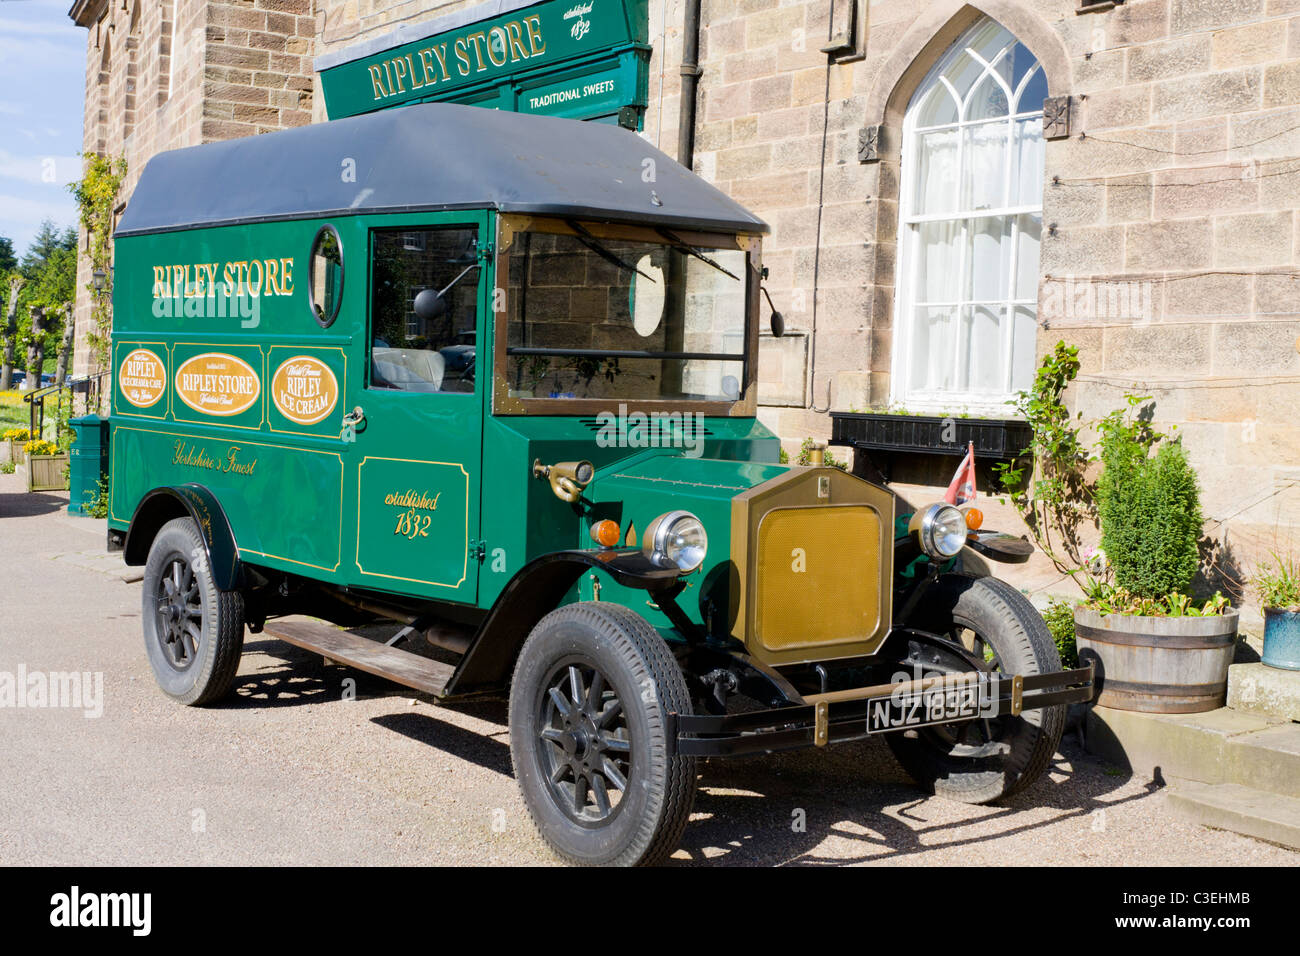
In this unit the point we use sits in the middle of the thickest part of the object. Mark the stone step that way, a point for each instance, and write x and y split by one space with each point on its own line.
1231 806
1218 746
1268 691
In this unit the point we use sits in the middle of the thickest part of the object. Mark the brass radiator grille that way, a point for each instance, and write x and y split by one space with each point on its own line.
817 576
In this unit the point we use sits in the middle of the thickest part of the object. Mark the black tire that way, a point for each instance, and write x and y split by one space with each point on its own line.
193 635
1008 753
640 682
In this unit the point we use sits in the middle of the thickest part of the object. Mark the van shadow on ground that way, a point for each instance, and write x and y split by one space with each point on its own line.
744 810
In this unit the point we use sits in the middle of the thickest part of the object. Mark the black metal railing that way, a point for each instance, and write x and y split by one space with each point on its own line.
89 388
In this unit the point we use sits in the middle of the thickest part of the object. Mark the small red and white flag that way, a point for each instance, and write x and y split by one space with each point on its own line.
962 488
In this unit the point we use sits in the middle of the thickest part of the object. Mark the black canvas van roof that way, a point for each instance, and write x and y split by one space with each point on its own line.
430 156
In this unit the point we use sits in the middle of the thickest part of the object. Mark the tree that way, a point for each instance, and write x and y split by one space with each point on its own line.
50 268
10 332
49 241
8 261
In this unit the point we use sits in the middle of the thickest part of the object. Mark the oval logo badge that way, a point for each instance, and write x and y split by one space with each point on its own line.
304 389
217 384
142 377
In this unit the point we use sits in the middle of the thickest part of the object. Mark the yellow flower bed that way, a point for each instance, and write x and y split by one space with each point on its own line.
40 446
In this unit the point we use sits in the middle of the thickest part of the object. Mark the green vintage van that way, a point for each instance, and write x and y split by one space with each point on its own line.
493 377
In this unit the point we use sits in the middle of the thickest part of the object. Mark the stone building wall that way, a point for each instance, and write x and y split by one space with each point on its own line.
1171 211
163 74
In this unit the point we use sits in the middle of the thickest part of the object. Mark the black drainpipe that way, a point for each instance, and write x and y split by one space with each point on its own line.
690 83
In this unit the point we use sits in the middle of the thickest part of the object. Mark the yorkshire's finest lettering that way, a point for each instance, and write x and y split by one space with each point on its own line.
232 463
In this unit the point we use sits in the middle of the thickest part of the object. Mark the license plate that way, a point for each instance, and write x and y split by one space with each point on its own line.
938 705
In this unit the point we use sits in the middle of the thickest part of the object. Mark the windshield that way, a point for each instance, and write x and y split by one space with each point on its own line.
594 317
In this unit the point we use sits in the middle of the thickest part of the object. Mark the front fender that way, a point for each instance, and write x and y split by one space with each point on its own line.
534 591
194 501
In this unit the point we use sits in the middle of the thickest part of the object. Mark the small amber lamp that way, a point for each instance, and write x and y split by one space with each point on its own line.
974 519
605 533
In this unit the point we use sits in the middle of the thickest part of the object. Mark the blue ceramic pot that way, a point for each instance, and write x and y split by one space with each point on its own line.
1282 639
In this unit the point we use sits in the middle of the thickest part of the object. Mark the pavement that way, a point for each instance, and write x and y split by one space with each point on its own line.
289 771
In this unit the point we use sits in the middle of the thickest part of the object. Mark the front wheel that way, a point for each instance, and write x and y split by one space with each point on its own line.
589 707
985 760
193 630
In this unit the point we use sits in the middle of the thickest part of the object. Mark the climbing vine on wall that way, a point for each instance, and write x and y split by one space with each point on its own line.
96 195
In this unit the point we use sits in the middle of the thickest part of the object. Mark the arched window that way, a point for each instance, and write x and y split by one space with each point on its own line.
970 216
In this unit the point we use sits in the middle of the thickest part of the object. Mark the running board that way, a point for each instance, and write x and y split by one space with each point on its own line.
402 667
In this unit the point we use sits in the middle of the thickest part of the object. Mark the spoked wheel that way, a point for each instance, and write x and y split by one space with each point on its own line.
587 749
589 708
193 630
983 760
985 737
180 613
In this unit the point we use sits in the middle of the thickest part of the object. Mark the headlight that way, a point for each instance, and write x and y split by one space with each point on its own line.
676 538
940 529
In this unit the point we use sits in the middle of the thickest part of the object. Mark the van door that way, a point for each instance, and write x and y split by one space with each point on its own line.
418 440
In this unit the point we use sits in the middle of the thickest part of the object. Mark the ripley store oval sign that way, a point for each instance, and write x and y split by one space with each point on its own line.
304 389
142 377
217 384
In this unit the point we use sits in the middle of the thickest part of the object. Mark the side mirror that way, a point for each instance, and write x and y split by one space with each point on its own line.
778 320
429 305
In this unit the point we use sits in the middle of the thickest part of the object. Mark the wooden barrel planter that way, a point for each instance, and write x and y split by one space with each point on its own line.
1158 665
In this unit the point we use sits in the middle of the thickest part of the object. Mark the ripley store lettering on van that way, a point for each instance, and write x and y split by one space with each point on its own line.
273 277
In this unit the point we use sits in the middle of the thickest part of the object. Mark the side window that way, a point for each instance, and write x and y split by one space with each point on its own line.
424 309
325 275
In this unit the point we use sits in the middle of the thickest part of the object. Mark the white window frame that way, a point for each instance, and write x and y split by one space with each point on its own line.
909 244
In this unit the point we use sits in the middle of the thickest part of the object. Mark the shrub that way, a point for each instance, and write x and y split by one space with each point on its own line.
805 456
1278 583
97 504
1060 622
1149 507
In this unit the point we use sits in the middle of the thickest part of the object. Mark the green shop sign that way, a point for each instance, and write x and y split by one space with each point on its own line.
583 59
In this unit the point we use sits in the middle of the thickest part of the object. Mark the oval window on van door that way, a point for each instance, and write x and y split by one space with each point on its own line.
325 285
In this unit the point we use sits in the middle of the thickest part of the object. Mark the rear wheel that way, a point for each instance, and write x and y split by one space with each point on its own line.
984 760
589 707
193 630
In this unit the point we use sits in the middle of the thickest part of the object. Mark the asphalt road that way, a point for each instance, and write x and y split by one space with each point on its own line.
289 772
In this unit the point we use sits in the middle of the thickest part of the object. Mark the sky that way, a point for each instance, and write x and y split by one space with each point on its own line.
42 82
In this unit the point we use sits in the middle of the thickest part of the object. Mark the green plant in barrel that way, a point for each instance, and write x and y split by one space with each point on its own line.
1157 648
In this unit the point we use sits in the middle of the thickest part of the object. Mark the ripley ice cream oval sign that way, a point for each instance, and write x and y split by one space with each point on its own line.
217 384
304 389
142 378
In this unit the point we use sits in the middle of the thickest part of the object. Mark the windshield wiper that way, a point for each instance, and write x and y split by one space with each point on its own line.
681 246
590 241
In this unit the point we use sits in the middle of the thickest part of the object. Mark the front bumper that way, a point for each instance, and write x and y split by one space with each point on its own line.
840 716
